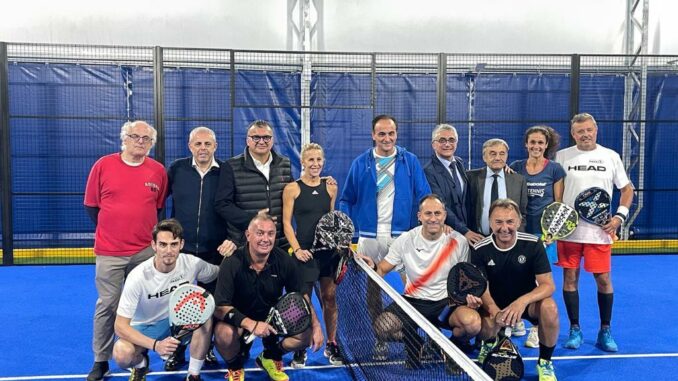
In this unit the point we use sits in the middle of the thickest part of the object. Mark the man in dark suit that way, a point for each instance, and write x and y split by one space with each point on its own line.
447 177
492 182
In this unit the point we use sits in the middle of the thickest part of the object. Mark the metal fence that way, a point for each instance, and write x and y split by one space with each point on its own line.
61 108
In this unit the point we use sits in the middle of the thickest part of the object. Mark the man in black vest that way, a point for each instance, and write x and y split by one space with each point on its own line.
255 185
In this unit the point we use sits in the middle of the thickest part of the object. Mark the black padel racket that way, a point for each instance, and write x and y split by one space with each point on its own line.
334 231
558 221
190 307
593 206
503 362
463 279
290 316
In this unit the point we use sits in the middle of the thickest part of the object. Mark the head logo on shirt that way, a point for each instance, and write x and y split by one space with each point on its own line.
522 259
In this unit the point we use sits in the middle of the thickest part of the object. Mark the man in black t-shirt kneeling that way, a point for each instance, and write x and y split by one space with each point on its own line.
520 283
249 284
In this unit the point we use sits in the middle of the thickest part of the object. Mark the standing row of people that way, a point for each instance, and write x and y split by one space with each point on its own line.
381 194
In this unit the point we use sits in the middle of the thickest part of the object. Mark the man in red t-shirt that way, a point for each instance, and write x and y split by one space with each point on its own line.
124 193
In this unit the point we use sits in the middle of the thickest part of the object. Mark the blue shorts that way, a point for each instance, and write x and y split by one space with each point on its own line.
158 330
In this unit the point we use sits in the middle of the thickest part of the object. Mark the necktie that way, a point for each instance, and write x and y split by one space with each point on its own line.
494 195
455 180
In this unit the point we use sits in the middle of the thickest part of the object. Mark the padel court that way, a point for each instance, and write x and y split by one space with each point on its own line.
47 326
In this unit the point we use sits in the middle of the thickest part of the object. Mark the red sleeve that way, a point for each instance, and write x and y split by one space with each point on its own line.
163 189
93 188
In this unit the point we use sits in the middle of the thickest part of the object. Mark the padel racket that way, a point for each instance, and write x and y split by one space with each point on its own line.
558 221
342 265
593 206
334 231
463 279
190 307
290 316
503 362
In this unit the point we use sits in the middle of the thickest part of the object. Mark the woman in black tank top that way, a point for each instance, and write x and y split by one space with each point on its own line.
308 199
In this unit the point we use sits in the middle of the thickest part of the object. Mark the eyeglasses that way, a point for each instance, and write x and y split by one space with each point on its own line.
136 138
258 138
448 140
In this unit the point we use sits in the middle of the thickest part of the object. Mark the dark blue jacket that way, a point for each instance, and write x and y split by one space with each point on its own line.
441 184
193 206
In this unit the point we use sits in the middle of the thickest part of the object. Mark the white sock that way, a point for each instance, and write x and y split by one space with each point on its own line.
194 366
142 364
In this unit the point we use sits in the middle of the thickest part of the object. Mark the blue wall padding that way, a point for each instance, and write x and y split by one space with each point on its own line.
63 117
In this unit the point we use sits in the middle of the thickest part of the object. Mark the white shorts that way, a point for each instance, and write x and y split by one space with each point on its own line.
376 248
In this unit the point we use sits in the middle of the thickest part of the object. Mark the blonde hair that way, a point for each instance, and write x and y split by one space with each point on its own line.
311 146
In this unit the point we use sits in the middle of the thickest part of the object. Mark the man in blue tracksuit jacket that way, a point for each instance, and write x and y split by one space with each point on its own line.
382 190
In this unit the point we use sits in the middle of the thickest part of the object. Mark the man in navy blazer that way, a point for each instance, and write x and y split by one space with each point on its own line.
447 177
509 185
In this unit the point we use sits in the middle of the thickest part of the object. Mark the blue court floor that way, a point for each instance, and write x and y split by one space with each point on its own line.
46 320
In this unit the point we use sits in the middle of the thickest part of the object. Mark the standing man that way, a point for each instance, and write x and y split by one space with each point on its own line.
421 252
591 165
492 182
382 191
143 318
447 177
124 194
193 183
255 184
250 282
520 284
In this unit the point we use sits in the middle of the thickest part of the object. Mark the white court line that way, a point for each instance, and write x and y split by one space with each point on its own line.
125 374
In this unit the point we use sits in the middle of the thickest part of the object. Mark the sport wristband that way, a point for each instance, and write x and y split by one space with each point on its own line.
622 211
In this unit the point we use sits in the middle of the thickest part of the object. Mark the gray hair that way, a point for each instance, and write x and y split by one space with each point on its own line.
493 142
124 131
506 203
583 117
443 127
200 129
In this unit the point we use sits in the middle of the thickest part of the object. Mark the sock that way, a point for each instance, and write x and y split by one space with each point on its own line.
571 299
275 352
235 363
194 365
142 364
546 352
605 308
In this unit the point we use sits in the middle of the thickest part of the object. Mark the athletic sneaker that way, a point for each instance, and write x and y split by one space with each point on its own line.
533 338
380 351
236 375
99 370
177 359
485 348
139 374
519 329
210 358
605 340
299 359
575 339
545 370
333 354
274 368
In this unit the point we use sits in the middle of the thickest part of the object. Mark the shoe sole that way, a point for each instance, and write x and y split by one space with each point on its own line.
108 373
297 365
529 345
603 348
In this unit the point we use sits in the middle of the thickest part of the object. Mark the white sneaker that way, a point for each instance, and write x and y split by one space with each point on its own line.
533 338
519 329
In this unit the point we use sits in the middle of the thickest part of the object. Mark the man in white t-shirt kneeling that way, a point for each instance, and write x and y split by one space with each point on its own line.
142 321
426 266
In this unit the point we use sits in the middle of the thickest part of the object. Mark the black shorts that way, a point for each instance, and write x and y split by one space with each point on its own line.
431 309
323 265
